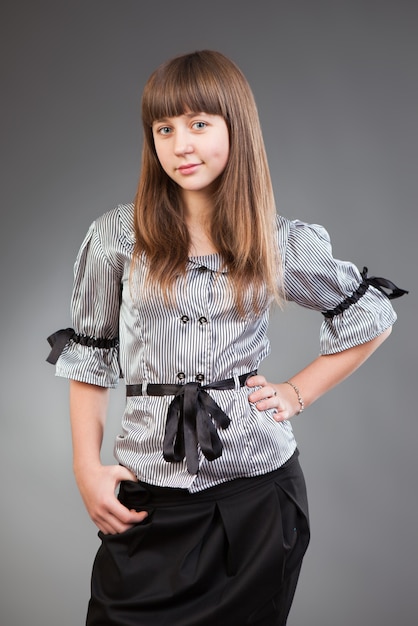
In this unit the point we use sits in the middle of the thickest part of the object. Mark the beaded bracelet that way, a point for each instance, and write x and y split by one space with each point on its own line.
301 402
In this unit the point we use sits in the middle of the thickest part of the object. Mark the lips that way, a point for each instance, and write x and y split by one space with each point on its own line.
189 168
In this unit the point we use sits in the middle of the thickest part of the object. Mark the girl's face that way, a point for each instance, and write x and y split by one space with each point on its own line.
193 149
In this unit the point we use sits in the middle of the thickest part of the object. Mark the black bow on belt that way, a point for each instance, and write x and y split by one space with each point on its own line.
192 418
190 421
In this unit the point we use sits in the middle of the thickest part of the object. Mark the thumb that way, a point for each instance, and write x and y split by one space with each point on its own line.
122 473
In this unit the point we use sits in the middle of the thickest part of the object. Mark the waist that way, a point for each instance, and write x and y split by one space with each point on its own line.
172 496
168 389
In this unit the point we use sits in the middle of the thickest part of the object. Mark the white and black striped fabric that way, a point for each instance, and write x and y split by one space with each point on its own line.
201 337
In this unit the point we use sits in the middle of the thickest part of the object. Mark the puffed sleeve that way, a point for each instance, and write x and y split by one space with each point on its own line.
355 311
89 351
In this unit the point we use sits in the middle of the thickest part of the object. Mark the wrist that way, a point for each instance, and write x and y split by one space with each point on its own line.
300 402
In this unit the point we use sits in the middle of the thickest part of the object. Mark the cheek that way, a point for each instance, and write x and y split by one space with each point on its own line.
158 151
223 156
220 151
225 143
162 157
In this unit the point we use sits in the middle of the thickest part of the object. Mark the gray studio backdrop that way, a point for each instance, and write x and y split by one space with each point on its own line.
336 85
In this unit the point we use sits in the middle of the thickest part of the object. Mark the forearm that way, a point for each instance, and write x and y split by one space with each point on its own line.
97 483
88 408
327 371
324 373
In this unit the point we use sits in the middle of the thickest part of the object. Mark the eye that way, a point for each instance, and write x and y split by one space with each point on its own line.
164 130
199 125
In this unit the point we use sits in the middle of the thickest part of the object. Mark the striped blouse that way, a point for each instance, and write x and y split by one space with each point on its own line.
201 337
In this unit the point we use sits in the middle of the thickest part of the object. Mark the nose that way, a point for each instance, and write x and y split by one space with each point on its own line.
183 143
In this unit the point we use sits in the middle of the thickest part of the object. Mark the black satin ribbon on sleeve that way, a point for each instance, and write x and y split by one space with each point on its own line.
192 419
383 283
58 341
379 283
60 338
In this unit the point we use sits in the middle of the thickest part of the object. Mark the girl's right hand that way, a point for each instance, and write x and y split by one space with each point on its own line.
97 488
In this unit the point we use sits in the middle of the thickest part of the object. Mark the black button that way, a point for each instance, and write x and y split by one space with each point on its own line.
203 268
185 319
200 378
181 375
203 320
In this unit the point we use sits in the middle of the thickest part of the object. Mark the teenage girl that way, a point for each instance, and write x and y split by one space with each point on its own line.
204 518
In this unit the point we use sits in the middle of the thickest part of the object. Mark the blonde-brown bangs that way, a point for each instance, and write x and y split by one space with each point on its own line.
184 84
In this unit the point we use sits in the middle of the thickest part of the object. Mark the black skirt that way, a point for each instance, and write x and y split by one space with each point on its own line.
226 556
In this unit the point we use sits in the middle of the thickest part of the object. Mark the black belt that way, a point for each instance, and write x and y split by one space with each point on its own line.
191 417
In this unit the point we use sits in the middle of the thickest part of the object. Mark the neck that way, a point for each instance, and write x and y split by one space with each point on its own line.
198 207
198 215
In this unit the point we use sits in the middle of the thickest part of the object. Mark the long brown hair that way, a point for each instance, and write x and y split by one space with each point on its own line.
243 225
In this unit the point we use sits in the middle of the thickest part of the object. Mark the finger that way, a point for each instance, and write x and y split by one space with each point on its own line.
281 415
263 393
112 524
125 515
135 517
256 381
